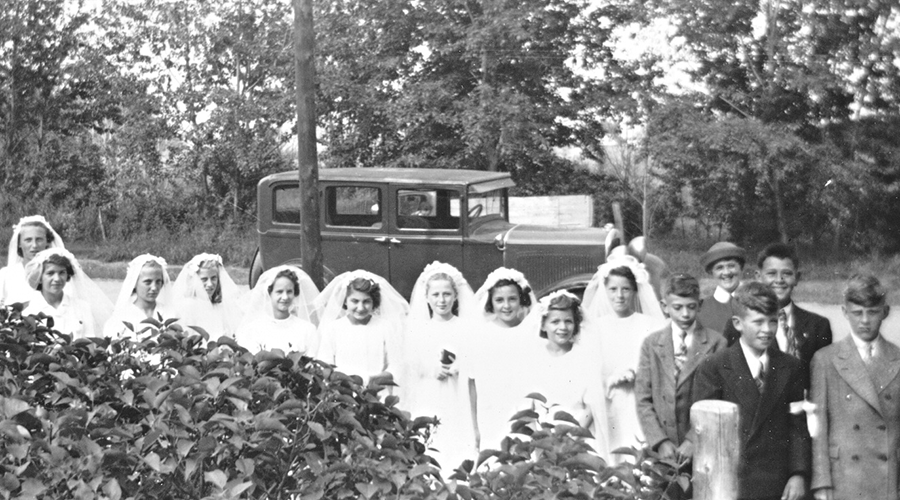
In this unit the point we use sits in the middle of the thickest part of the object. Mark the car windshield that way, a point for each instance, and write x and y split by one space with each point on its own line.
487 204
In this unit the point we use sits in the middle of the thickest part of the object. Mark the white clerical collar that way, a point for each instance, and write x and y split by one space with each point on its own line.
721 295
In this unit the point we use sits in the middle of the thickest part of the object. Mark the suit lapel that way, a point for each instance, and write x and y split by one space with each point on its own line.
699 347
888 364
776 381
738 374
665 350
851 368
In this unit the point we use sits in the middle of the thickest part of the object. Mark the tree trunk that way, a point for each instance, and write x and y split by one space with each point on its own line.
307 159
778 196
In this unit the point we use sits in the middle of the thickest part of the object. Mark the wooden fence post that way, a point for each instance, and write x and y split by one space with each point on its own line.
717 450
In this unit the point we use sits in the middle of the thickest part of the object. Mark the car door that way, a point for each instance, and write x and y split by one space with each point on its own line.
354 230
425 227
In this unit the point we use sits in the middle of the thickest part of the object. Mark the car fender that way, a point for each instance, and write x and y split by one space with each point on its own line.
256 269
575 284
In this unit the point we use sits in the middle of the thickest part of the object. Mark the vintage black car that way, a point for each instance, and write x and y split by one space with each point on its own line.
393 222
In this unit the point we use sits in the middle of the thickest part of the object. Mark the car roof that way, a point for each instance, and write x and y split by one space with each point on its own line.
440 176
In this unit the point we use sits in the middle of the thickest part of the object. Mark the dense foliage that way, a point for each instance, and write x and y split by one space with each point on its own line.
169 417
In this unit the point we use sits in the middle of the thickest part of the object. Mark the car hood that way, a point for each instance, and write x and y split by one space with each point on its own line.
529 234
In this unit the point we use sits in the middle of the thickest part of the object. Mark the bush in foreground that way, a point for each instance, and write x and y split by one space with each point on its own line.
175 417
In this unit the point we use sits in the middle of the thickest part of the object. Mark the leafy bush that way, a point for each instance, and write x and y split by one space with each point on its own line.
168 417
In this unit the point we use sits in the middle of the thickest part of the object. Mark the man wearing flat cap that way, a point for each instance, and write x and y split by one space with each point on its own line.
724 261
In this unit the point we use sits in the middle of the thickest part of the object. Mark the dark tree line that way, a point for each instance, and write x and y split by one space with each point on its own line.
158 114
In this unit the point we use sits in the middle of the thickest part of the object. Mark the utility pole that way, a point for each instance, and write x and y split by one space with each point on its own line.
307 160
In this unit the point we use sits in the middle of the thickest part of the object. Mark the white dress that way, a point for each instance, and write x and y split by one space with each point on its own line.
499 362
13 285
619 342
446 399
72 316
289 334
116 328
356 349
216 319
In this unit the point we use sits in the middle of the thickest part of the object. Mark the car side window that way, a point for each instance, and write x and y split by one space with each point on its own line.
353 206
286 205
427 209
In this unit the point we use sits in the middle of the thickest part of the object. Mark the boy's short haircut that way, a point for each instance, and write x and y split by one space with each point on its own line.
779 251
754 296
865 290
683 285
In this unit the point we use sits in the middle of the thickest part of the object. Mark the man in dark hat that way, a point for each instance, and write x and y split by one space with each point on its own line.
724 261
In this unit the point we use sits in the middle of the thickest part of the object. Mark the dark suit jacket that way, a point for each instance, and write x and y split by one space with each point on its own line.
775 445
857 451
813 333
714 314
663 403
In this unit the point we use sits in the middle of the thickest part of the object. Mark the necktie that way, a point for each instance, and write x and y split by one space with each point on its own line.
761 376
791 345
680 353
867 358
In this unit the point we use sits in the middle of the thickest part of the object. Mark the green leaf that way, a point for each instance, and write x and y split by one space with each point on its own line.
531 414
537 396
367 490
9 407
152 460
216 477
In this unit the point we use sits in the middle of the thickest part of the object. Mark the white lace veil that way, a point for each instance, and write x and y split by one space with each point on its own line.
467 307
80 286
329 306
193 303
532 318
127 297
595 302
31 220
260 303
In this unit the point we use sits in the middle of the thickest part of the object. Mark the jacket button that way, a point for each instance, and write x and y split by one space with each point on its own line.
855 427
887 396
855 458
882 457
882 427
848 397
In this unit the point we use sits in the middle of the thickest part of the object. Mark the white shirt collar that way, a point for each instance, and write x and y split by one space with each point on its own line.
753 361
863 346
676 334
721 295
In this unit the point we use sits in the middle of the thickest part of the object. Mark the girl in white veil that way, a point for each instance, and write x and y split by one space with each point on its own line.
442 312
564 371
279 313
146 293
500 352
622 308
361 325
30 235
206 296
64 292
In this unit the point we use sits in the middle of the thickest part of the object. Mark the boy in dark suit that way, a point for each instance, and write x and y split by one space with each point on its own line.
724 261
665 378
856 390
800 332
775 446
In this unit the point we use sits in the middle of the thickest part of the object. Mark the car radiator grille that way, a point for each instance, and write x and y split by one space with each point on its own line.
544 270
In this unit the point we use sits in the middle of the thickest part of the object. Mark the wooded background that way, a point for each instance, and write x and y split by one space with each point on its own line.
158 117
